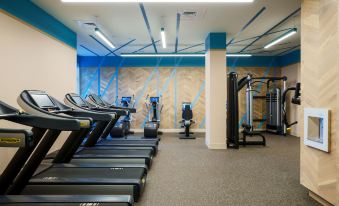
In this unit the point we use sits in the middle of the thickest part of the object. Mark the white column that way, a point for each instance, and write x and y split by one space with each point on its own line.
215 77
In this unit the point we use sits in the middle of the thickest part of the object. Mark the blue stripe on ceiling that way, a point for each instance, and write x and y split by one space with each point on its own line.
273 32
200 52
177 33
284 50
148 45
254 61
148 26
99 42
28 12
288 50
191 47
271 29
247 24
122 46
87 49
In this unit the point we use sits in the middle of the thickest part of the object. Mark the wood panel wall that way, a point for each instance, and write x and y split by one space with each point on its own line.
319 76
175 84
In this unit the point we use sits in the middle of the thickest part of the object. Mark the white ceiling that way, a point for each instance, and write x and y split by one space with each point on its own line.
124 22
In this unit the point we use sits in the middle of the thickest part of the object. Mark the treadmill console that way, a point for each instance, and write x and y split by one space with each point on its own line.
79 101
186 106
126 99
43 101
98 100
154 99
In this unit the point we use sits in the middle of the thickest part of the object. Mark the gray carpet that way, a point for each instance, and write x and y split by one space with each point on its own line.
185 172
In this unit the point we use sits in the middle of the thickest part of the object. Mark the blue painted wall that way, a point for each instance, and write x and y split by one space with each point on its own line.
215 41
254 61
28 12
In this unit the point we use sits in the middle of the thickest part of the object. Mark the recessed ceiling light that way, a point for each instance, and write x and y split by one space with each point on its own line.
163 38
103 38
281 38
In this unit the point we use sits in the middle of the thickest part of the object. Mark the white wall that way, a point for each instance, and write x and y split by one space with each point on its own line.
292 72
31 59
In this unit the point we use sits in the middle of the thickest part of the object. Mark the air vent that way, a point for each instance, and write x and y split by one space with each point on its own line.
189 14
89 24
86 24
192 15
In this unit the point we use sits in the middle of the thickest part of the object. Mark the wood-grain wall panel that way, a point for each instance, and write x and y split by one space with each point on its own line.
175 84
319 78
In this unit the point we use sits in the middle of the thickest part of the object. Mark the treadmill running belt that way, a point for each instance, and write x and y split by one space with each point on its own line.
143 153
89 175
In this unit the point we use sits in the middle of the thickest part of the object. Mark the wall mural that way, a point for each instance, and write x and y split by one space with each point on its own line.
175 84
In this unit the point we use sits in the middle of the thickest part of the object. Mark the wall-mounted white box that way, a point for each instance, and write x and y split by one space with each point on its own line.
317 128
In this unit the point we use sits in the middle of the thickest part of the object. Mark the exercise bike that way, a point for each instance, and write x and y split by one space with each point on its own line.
187 120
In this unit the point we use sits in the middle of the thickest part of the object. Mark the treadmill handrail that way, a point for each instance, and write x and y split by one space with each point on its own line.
64 124
95 115
12 114
24 101
120 111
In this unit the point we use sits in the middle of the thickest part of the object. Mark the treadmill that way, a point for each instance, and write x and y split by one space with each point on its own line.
69 180
78 103
122 142
141 157
99 103
26 141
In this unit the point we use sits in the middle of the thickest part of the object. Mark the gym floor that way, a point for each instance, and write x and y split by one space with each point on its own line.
186 173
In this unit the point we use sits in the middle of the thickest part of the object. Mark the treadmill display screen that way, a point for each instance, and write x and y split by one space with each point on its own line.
43 101
98 100
154 99
186 106
78 100
126 99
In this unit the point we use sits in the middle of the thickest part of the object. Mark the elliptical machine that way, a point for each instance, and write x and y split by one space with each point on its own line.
125 102
154 107
187 120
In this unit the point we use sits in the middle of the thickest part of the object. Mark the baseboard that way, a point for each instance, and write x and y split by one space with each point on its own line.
319 199
171 130
216 146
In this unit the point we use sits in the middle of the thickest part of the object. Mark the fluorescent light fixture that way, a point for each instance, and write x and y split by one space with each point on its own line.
162 55
281 38
180 55
238 55
103 38
163 38
157 1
